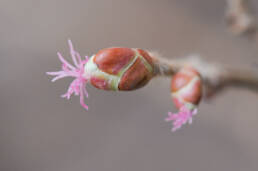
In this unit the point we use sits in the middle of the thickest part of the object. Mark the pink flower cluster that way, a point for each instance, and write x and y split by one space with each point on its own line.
182 117
78 85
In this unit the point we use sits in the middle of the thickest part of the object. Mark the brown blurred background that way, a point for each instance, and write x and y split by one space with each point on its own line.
122 131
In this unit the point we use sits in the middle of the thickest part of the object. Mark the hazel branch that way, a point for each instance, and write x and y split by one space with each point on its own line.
126 69
215 76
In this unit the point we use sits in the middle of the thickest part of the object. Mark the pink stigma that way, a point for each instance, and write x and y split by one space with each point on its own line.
182 117
78 85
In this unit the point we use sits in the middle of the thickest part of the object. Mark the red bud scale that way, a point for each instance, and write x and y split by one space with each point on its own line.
119 69
186 88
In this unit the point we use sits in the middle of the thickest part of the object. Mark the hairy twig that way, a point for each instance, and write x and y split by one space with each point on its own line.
215 76
240 18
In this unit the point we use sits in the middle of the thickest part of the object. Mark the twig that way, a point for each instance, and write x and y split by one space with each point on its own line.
215 76
240 18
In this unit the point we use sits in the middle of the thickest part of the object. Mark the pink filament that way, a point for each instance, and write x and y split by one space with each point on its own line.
78 85
182 117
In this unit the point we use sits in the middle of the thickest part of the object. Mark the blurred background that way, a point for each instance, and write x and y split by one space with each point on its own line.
122 131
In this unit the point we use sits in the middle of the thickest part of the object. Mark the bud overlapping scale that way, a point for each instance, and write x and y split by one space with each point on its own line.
119 69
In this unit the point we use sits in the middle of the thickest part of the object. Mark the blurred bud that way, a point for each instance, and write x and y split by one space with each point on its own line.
119 69
186 92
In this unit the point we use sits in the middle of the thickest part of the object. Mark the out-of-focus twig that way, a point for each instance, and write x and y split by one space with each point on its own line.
240 18
215 76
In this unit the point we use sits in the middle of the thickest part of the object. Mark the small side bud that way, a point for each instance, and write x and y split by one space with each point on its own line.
186 92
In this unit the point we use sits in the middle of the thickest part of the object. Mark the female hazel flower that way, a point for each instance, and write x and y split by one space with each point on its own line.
186 92
114 68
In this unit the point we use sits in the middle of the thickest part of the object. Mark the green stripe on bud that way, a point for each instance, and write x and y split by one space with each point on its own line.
145 62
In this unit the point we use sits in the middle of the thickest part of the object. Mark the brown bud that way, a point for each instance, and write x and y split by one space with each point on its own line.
120 68
186 87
